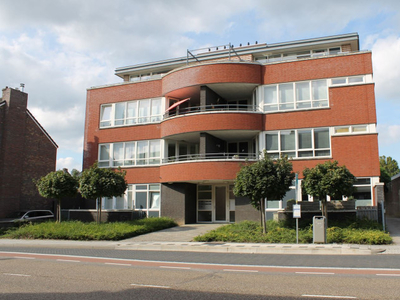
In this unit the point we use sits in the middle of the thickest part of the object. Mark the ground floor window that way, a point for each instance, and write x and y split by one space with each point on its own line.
139 197
362 196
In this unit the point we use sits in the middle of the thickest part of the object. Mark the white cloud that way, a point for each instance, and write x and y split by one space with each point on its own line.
386 61
388 134
69 163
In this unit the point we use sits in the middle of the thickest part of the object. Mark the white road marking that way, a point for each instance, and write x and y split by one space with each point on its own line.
168 267
68 260
394 275
118 264
152 286
315 273
236 270
20 275
24 257
329 296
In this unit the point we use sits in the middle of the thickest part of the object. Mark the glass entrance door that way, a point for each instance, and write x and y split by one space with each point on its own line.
220 204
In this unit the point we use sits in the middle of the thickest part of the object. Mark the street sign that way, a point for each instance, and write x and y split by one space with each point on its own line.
296 211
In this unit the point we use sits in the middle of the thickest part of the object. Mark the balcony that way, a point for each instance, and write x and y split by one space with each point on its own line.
233 107
232 156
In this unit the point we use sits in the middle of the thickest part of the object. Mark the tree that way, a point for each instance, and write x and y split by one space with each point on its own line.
96 183
328 179
389 164
264 179
57 185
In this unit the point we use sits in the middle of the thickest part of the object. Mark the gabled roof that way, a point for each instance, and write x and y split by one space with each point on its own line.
41 128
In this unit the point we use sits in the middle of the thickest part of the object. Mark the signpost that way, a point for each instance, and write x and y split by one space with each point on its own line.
297 209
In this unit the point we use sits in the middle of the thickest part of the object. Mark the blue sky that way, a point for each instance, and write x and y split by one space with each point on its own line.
61 48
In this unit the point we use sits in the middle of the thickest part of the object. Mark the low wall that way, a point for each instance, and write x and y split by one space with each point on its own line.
90 215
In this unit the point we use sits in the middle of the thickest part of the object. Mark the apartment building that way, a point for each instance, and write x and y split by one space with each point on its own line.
27 152
181 128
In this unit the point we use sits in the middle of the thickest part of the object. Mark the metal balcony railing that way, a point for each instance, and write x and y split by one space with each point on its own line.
212 108
211 156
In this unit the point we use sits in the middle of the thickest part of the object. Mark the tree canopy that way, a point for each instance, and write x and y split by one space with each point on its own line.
57 185
389 165
328 179
96 183
264 179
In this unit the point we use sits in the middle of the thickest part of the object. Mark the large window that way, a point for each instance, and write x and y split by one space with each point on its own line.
135 153
140 197
131 113
304 143
296 95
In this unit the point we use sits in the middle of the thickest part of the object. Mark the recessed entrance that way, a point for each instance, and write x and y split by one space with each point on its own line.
214 203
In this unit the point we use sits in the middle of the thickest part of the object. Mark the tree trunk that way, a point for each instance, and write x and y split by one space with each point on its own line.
58 213
99 210
324 209
263 223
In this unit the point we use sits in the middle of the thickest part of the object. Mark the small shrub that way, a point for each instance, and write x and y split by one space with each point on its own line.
76 230
277 233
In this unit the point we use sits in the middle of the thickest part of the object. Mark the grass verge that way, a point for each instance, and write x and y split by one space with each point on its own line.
358 232
76 230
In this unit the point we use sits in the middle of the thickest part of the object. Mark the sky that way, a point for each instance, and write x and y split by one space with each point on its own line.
60 48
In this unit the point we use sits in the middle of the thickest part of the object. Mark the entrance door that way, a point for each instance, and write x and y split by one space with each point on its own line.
220 204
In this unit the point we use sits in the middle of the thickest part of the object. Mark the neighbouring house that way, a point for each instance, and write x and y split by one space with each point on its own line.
27 152
392 197
181 128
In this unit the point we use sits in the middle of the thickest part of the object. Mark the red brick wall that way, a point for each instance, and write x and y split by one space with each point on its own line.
119 93
213 73
225 170
326 67
349 105
211 121
40 159
26 153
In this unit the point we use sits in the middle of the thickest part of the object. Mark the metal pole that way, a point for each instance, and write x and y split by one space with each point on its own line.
297 219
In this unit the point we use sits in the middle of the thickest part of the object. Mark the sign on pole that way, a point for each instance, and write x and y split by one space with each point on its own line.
296 211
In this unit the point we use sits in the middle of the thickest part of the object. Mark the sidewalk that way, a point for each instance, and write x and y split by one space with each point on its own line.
179 239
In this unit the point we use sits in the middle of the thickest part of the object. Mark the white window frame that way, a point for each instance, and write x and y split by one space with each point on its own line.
129 199
297 150
154 115
148 160
295 104
352 129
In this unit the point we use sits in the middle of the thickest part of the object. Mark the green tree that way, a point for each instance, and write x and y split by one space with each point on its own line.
328 179
389 164
264 179
96 183
57 185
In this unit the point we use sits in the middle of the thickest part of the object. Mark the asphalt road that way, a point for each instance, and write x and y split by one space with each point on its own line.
28 276
344 261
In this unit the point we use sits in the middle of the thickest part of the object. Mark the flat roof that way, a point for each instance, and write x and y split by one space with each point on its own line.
256 50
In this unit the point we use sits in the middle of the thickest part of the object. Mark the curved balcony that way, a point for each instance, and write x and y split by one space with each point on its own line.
219 72
211 121
200 171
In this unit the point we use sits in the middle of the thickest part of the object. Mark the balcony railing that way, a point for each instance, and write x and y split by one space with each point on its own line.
211 156
212 108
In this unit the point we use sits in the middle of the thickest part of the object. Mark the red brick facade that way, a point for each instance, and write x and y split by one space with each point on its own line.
349 105
27 153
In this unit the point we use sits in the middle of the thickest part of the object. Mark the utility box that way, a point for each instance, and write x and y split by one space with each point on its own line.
319 230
